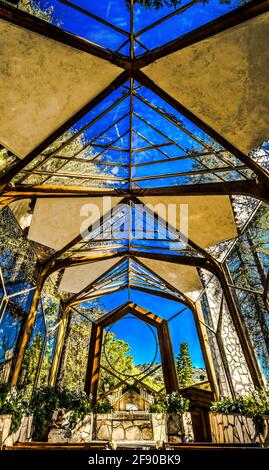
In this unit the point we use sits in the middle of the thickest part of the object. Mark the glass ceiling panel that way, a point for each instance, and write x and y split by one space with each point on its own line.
120 157
113 11
129 273
107 23
135 228
144 112
75 18
190 15
148 97
164 149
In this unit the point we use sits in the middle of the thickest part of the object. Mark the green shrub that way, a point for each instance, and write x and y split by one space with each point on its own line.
255 405
103 406
47 400
171 403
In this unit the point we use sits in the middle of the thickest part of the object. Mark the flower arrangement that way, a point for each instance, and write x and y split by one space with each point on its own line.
170 403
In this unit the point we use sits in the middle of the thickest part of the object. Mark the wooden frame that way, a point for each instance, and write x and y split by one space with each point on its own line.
94 358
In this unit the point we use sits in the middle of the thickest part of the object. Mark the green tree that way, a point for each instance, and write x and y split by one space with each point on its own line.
30 365
117 358
184 366
75 364
30 362
33 7
159 4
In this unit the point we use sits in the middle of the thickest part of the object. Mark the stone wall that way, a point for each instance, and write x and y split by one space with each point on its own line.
127 426
81 433
179 429
123 426
23 434
235 428
224 343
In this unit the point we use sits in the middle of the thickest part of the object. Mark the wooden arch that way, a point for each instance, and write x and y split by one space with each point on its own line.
95 349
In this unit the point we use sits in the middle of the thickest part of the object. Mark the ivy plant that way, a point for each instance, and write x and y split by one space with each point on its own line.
103 406
12 403
47 400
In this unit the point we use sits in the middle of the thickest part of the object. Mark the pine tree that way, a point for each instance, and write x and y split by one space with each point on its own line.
184 366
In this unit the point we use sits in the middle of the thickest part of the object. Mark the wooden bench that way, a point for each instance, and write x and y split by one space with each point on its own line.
35 446
210 445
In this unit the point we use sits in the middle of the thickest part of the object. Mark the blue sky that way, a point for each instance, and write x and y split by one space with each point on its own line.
117 13
182 328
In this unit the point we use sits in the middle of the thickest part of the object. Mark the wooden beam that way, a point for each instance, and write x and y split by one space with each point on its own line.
145 315
249 188
113 316
168 361
58 349
64 353
206 351
5 201
227 21
94 359
25 333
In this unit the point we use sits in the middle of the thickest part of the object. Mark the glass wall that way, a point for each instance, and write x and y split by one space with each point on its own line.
18 275
248 264
75 351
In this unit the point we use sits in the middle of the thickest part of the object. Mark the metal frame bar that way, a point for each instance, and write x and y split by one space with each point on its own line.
32 23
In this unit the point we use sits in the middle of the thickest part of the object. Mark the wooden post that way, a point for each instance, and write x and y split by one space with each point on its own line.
203 338
58 349
25 333
94 359
168 361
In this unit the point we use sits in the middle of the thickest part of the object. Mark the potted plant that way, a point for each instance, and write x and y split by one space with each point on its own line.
244 419
175 406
